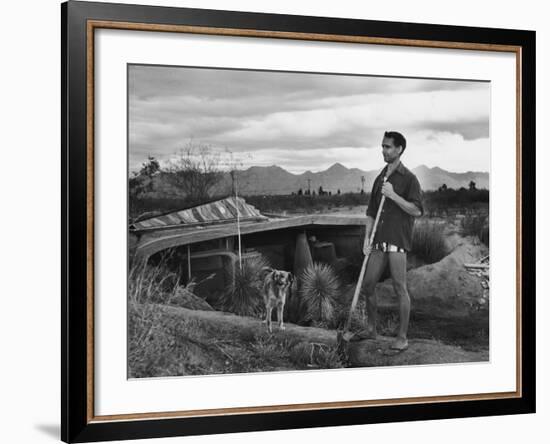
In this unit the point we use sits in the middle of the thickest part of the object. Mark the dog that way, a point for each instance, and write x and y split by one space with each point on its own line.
275 291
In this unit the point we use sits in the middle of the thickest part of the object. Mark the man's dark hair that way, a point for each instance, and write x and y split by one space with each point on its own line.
398 139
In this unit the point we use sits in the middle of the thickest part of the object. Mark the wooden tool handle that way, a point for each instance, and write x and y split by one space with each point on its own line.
364 266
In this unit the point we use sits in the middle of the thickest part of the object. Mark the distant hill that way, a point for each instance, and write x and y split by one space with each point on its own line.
433 178
277 180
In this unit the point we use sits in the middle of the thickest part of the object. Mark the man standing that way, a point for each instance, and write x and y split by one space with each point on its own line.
393 236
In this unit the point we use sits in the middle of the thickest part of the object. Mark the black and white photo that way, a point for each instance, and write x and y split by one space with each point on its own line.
261 202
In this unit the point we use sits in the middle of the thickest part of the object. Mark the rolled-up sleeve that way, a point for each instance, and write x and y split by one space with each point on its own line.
415 194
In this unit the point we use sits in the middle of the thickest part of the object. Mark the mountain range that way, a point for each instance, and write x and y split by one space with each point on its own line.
277 180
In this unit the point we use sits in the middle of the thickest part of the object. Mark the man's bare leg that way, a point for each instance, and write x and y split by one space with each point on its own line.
375 267
398 269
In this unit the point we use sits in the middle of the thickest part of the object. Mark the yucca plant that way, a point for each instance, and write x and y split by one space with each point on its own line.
243 292
319 291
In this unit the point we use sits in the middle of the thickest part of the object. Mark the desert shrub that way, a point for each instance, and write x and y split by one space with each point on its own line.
319 291
311 354
450 201
428 241
156 341
148 340
243 293
153 284
300 354
476 225
329 357
300 202
267 348
484 235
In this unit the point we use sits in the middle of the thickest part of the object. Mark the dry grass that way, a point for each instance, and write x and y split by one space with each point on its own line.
476 225
152 284
429 241
315 355
162 344
148 340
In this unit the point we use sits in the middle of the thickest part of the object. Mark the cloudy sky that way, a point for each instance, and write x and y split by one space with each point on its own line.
303 121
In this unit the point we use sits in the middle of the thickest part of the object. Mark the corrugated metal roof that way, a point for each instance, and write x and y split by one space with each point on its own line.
220 211
153 241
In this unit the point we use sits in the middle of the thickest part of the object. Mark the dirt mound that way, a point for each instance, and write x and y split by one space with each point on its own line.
316 344
242 324
447 279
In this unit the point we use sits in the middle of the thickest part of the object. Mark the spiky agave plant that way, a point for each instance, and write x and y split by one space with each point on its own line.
319 291
242 295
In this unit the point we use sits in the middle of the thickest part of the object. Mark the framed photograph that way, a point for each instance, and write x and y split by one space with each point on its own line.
275 221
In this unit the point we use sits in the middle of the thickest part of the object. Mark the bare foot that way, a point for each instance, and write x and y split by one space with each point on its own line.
400 344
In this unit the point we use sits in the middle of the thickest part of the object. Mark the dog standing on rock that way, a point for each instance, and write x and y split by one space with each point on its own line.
275 291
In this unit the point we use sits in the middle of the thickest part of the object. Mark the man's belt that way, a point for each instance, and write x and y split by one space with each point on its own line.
388 248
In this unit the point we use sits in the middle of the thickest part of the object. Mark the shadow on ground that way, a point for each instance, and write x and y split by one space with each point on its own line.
51 430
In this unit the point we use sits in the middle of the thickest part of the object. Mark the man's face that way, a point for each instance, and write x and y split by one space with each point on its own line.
389 150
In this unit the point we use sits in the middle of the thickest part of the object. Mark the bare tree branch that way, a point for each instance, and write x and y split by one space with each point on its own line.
196 171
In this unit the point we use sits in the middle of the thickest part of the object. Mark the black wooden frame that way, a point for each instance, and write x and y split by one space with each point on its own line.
76 425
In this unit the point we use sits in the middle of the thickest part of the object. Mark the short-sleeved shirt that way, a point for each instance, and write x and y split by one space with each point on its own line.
395 226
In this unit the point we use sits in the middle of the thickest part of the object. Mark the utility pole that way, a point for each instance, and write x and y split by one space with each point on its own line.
233 173
362 184
235 187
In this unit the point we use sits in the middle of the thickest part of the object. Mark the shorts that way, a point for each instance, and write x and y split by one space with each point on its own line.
388 248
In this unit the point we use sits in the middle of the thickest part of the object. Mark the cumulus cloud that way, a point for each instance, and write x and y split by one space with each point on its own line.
303 120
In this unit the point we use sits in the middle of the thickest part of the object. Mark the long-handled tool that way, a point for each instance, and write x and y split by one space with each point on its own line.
346 336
